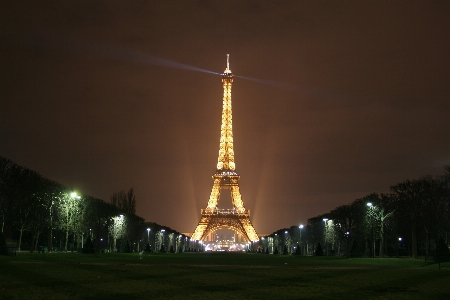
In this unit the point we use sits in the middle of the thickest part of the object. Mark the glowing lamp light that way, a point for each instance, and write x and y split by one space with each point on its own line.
301 226
369 204
74 195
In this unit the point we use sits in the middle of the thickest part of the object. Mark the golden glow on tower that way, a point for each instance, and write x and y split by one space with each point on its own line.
225 177
226 153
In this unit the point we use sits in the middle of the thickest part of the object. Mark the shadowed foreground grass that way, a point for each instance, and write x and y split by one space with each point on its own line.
218 276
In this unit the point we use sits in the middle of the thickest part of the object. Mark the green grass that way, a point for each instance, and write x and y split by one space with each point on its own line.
218 276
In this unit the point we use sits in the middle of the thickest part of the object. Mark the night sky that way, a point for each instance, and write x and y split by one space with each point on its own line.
346 98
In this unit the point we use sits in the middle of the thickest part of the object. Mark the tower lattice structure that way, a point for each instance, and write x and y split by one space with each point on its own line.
237 218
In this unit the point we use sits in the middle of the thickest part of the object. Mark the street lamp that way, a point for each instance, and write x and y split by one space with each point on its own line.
74 196
148 236
162 240
370 205
326 245
286 244
300 244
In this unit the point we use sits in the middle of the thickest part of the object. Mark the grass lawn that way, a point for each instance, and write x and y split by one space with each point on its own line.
218 276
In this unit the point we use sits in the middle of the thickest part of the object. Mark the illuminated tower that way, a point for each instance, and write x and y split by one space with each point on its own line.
237 218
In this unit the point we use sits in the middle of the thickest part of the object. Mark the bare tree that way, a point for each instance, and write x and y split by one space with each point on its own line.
418 201
117 229
68 210
125 202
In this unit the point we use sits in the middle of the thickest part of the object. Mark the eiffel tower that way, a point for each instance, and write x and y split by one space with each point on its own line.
237 218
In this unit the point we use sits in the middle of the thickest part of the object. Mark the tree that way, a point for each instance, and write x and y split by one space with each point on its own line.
49 199
442 251
3 248
125 202
25 195
36 226
384 213
319 250
21 198
126 248
379 209
88 247
345 223
419 202
96 216
126 205
68 210
6 200
314 231
117 229
135 227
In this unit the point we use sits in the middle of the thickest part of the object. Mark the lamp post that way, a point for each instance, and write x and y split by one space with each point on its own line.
278 244
73 196
399 245
286 244
370 205
148 236
300 241
326 245
162 240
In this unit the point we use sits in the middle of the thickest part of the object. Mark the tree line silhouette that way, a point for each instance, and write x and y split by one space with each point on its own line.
413 219
38 214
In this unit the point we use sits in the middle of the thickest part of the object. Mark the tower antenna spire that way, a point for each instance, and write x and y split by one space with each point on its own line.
227 70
